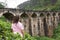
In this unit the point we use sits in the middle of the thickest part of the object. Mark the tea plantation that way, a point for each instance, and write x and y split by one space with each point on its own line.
7 34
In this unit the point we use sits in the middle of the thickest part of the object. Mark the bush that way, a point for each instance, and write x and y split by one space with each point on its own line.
57 33
7 34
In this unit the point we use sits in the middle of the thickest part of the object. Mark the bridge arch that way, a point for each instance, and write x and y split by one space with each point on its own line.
24 15
54 14
9 12
34 15
41 15
8 15
48 14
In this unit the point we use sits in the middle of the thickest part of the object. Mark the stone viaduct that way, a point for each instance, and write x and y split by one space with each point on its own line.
36 23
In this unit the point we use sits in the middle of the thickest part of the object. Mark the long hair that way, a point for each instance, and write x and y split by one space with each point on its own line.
15 19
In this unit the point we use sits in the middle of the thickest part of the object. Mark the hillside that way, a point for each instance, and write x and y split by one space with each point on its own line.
49 5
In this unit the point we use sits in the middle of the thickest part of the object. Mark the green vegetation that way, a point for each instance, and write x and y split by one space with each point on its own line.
1 5
57 33
43 5
7 34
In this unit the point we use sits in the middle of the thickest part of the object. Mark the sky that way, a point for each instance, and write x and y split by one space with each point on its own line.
13 3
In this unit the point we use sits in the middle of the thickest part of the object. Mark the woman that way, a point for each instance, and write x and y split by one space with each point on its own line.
17 26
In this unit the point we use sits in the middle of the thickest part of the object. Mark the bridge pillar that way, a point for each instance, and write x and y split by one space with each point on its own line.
34 24
41 22
30 22
49 27
55 20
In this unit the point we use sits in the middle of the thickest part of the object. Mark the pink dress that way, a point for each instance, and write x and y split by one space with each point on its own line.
17 27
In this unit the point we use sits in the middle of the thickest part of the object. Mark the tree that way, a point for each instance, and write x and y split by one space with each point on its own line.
1 5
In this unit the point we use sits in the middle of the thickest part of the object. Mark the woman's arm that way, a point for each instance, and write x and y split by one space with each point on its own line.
22 31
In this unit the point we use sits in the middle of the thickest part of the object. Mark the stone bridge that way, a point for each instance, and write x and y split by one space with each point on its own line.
36 23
